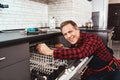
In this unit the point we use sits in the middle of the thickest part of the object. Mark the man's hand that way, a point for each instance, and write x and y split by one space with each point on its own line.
44 49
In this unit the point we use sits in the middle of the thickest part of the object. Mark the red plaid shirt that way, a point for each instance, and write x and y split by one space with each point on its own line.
87 45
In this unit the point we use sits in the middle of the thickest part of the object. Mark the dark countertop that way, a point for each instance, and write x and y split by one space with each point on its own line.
96 29
17 36
12 37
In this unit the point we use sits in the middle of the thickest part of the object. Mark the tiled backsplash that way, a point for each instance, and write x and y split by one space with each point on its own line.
28 13
77 10
22 14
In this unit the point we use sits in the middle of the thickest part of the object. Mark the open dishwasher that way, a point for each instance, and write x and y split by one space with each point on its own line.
44 67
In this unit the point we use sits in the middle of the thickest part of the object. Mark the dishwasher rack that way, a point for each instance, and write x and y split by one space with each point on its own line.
44 63
45 67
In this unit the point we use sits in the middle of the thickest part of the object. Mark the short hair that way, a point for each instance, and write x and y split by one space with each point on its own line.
68 22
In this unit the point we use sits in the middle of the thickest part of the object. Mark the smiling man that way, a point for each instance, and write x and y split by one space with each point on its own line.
71 34
84 45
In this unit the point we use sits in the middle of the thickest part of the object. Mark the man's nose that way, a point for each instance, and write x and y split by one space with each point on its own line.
68 35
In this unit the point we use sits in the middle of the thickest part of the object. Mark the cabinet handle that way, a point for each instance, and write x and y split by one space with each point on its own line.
2 58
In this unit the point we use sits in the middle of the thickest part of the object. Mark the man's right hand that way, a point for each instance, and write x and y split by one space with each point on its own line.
44 49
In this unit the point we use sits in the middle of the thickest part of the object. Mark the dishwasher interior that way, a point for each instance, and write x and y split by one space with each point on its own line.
44 67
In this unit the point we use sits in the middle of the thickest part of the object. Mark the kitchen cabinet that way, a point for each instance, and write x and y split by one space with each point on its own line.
14 62
15 53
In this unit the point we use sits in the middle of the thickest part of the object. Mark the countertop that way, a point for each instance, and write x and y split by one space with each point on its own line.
17 36
97 29
11 37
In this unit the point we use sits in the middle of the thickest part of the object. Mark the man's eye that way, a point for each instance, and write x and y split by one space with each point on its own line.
70 32
64 34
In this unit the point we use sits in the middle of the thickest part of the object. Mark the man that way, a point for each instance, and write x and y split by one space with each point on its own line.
84 45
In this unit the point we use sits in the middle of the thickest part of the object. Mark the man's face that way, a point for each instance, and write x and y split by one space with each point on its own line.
70 33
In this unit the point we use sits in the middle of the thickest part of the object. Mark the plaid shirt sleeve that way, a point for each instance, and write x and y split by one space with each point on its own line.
90 44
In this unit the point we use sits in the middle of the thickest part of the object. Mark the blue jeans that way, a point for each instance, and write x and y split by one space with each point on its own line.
114 75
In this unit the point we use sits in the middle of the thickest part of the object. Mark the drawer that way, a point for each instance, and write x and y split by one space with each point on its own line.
18 71
14 53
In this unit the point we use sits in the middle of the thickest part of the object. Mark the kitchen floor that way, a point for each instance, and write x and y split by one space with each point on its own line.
116 48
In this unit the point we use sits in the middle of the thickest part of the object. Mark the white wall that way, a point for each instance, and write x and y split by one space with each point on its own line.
22 14
28 13
102 7
77 10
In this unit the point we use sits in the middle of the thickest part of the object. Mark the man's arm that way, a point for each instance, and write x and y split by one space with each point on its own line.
44 49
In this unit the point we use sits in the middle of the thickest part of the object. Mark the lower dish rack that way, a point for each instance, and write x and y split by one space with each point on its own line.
44 67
